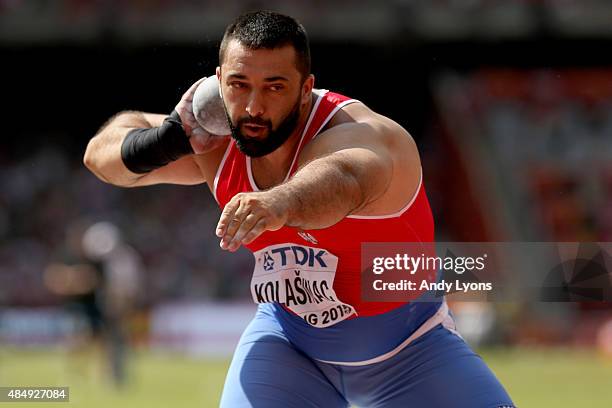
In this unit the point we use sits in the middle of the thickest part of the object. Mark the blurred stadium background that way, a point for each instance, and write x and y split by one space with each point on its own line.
124 296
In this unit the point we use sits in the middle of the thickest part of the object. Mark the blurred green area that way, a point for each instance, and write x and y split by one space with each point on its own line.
534 378
155 380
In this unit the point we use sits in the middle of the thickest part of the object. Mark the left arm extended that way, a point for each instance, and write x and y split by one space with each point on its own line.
329 188
343 171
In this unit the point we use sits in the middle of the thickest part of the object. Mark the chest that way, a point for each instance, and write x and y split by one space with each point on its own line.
268 175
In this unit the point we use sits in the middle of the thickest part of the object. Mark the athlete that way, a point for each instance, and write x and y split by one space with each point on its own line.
305 177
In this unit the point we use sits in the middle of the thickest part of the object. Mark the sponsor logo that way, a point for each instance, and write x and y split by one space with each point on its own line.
294 255
268 262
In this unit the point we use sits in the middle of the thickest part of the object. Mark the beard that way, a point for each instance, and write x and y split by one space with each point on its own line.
276 137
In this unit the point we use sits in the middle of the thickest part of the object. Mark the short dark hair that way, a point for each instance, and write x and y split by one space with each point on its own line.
269 30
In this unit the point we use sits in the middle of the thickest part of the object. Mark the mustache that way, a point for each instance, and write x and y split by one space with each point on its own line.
249 120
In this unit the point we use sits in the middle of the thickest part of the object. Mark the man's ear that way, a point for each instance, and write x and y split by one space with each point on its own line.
307 88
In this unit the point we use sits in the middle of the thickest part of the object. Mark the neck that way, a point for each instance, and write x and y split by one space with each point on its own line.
271 169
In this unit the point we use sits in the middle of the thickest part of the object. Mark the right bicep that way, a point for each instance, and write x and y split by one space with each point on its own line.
154 119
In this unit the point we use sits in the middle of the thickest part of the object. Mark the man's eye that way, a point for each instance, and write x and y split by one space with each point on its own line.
275 88
238 85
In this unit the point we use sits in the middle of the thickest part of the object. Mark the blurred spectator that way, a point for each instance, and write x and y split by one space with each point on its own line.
171 227
100 279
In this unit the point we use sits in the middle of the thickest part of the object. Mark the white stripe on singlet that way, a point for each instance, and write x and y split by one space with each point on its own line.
442 316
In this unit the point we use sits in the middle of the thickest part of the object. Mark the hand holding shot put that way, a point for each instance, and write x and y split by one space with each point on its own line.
202 136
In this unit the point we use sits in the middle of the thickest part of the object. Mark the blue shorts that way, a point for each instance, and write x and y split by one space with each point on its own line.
438 369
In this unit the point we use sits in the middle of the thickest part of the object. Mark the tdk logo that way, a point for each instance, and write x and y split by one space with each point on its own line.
268 262
295 255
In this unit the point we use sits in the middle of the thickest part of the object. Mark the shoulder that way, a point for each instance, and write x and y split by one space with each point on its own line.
356 125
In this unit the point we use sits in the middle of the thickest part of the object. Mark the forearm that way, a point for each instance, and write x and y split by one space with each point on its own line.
328 189
340 180
103 153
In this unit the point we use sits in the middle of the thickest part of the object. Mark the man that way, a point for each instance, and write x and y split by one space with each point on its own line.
307 176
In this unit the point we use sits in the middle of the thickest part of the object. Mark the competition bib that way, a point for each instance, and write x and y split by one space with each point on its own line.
301 278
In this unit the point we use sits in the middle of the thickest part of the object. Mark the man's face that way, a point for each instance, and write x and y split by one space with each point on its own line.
263 93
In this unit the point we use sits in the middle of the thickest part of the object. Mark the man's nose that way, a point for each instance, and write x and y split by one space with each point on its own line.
255 106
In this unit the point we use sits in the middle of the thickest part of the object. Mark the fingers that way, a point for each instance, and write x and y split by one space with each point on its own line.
226 216
258 229
184 108
249 230
234 224
243 220
190 117
201 141
188 95
187 119
245 228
